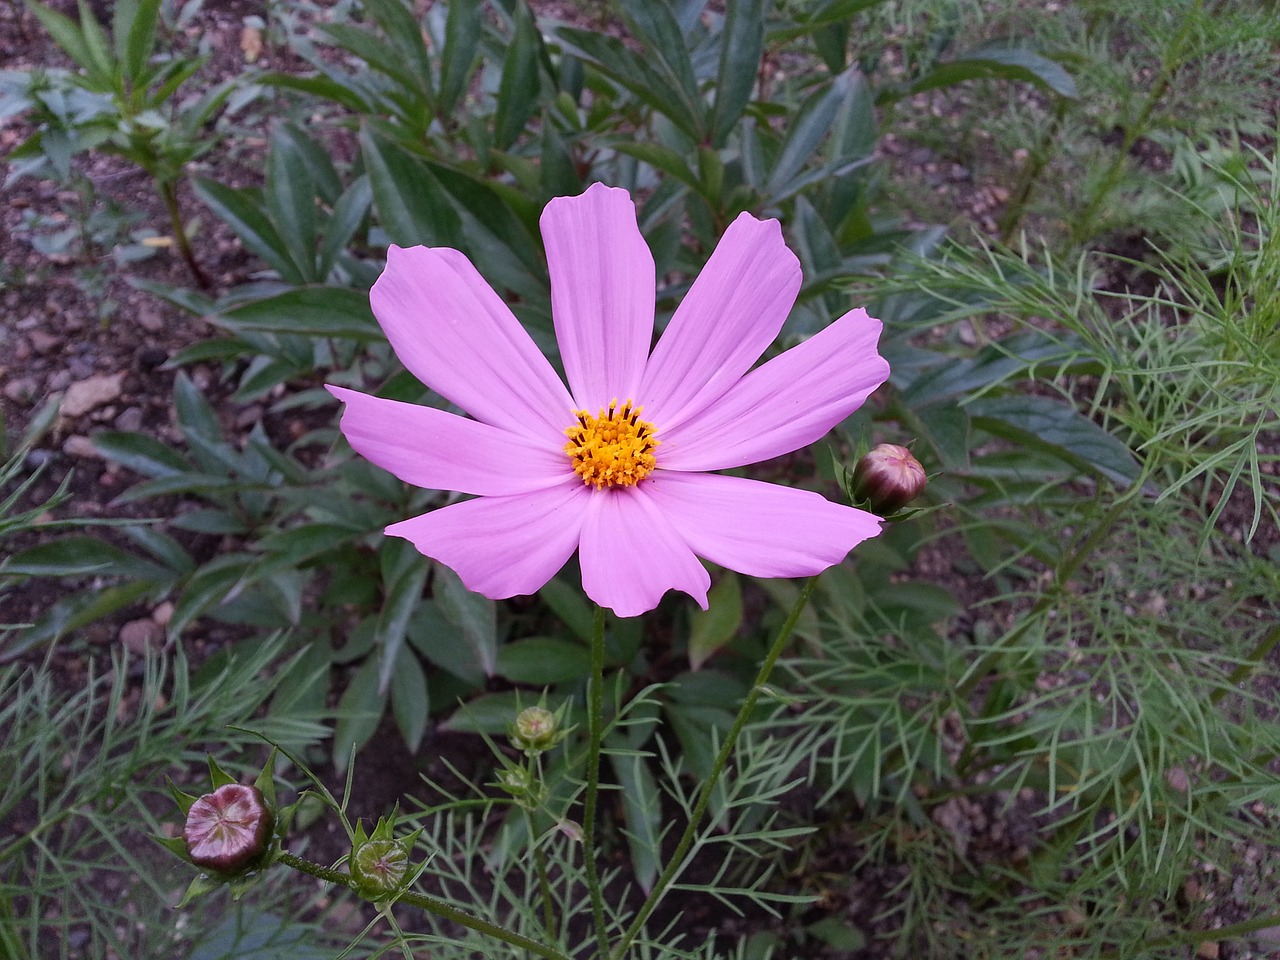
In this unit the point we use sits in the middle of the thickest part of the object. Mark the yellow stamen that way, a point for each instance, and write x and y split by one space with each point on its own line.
614 448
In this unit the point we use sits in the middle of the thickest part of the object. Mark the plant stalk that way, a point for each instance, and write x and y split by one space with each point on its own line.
675 864
431 905
595 729
169 193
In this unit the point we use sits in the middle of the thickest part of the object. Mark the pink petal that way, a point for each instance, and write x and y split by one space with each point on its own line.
458 337
789 402
732 312
602 293
502 546
760 529
631 555
441 451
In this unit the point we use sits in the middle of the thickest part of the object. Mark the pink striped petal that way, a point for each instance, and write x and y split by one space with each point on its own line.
631 555
602 293
732 312
760 529
441 451
458 337
786 403
502 546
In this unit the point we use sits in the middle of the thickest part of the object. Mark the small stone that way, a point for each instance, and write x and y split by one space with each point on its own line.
1177 778
149 319
20 389
80 446
44 342
140 636
163 613
84 395
1208 950
130 420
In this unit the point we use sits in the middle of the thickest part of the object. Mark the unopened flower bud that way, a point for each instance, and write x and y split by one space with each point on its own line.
228 830
887 479
535 729
379 867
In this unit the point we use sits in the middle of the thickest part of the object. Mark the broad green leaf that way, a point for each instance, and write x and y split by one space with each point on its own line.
652 23
404 576
327 88
410 703
359 711
810 126
635 74
475 615
310 311
568 604
78 556
711 629
520 85
141 454
1008 63
196 418
643 805
99 47
134 31
348 214
1056 427
462 36
66 34
412 207
661 158
542 661
442 643
290 193
741 46
491 713
251 225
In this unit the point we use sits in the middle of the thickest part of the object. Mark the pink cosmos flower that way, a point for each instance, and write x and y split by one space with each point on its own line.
617 464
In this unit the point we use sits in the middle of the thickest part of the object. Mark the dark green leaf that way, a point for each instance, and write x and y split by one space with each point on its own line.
643 805
243 215
134 27
741 46
461 39
410 703
1056 427
141 454
404 576
411 206
475 615
310 311
349 212
519 88
543 660
1007 63
359 712
290 193
711 629
492 713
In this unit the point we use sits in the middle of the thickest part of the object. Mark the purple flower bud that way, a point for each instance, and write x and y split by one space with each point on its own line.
887 479
228 830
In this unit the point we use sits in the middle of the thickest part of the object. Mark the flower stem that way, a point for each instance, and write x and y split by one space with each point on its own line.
595 729
676 863
431 905
169 193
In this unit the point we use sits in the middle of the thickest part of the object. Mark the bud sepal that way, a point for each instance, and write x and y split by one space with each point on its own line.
379 862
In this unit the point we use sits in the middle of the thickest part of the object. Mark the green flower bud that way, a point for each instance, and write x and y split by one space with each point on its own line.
229 831
536 729
887 479
379 867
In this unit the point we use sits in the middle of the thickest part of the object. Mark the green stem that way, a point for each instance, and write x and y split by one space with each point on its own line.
1082 229
544 880
676 863
1229 932
1256 658
431 905
595 728
169 193
1029 175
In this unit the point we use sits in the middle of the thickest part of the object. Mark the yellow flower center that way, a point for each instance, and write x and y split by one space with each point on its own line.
614 448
